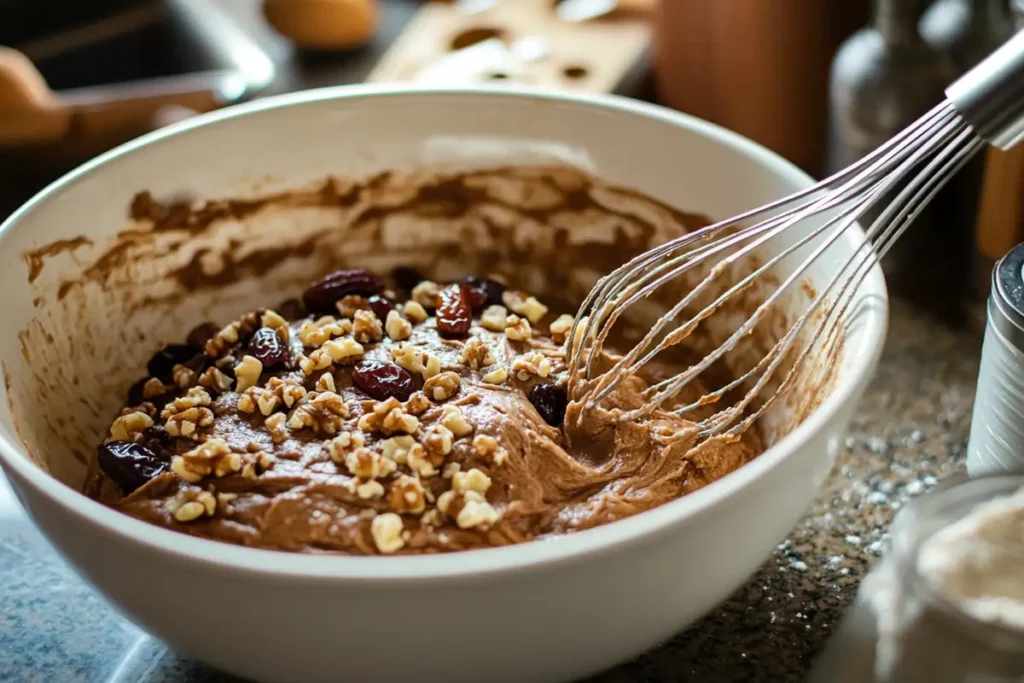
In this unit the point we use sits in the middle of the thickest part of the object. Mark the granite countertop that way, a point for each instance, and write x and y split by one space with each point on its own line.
909 433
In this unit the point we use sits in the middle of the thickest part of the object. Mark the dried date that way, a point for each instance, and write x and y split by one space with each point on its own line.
454 312
322 294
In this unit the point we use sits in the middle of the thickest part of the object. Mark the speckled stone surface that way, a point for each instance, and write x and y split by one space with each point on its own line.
910 432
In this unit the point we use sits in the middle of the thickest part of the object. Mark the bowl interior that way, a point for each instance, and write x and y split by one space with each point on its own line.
92 292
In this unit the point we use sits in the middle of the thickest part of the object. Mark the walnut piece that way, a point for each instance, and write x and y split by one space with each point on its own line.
248 372
518 329
386 531
426 293
213 379
494 318
472 480
442 387
366 327
350 303
190 503
407 496
496 375
397 327
324 413
476 354
487 447
414 312
344 443
388 417
130 426
532 363
526 306
453 419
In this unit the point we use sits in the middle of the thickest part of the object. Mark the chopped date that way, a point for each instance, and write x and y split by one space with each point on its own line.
129 464
322 294
268 348
201 334
490 289
381 380
164 360
454 312
550 401
380 306
406 278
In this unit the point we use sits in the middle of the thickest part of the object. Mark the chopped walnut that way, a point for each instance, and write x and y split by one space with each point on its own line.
484 445
219 342
470 509
315 333
276 427
437 442
472 480
182 376
213 456
318 360
366 327
450 469
272 319
326 383
426 293
397 327
419 461
344 443
154 387
343 350
215 380
560 327
496 375
183 415
476 513
442 387
494 318
407 496
370 489
350 303
397 448
431 518
324 413
414 312
581 329
409 357
453 419
248 372
389 417
532 363
190 503
367 464
130 426
431 366
476 354
386 531
417 404
518 329
526 306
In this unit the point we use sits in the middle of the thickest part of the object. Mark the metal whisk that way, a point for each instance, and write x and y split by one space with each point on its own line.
985 105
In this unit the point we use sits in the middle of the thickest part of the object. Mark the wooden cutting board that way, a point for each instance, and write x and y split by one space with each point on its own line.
518 41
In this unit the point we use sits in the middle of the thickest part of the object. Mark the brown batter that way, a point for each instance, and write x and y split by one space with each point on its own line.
297 456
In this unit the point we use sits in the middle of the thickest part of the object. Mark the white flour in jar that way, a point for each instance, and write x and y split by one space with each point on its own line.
899 630
977 562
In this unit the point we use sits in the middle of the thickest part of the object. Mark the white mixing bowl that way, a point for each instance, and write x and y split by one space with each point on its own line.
542 611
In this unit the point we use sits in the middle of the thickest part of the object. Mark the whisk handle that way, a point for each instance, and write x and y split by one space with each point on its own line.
991 95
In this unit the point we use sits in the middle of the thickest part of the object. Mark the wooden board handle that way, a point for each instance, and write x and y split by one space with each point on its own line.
1000 222
29 111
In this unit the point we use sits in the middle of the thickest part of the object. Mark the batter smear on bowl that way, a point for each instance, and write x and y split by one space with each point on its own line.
388 416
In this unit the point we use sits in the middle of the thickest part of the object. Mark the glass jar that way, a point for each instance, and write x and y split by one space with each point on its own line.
902 630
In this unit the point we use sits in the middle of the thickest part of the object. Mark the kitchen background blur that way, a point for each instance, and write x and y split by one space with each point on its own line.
822 82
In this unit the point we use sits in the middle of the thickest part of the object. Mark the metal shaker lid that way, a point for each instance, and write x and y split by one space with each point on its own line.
1006 306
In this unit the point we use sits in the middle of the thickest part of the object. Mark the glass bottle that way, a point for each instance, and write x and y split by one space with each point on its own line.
901 630
967 30
883 78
